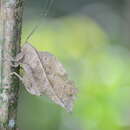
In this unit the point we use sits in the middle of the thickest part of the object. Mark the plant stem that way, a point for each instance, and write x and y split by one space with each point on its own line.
11 12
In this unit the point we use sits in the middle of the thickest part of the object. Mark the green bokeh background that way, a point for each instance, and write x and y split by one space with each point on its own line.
99 68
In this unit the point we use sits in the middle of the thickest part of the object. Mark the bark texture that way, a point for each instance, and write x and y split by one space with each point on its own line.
11 22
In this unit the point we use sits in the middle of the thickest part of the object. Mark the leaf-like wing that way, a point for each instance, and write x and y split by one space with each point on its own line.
63 88
45 75
29 81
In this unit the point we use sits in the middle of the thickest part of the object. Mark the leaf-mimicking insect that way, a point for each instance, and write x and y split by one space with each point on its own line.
45 75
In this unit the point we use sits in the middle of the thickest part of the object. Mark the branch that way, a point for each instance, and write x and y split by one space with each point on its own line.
11 23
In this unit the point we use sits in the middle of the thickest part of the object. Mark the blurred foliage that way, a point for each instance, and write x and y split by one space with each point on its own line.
99 69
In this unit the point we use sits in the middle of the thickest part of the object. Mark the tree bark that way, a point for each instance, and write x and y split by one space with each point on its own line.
11 12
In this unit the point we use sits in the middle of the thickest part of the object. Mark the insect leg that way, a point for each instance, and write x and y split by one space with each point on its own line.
17 75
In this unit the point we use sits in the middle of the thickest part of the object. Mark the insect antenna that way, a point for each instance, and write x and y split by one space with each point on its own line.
45 14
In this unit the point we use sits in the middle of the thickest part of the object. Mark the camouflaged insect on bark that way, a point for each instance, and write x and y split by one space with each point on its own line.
45 75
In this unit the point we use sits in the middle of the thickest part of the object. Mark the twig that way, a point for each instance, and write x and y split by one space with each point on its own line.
11 22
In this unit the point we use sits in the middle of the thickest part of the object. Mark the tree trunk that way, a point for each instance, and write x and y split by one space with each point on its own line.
11 22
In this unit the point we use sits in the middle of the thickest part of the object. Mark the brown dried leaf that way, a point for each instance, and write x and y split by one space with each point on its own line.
45 75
